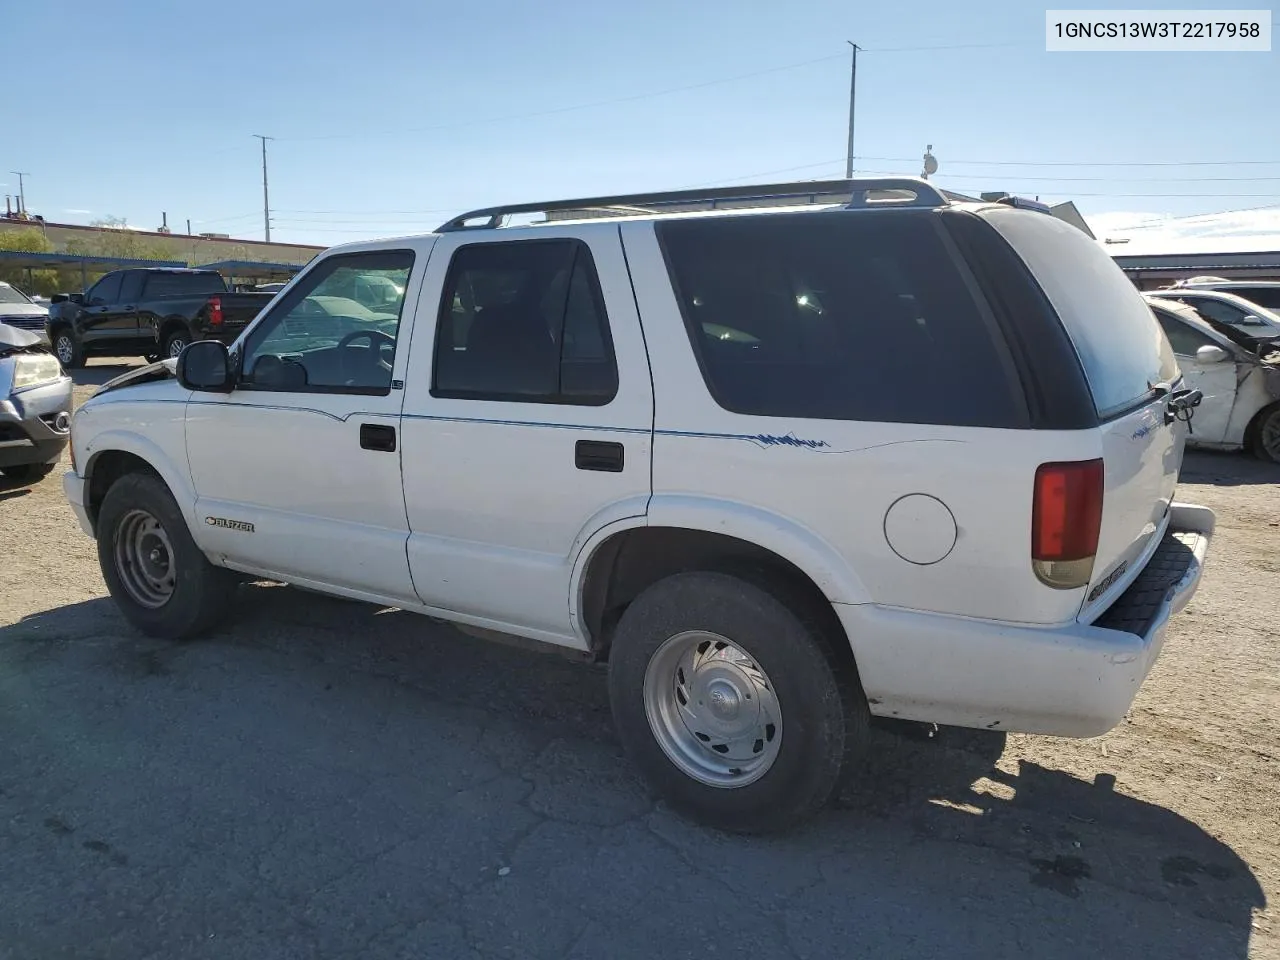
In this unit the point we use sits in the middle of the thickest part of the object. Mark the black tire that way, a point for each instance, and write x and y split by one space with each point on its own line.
27 472
69 350
174 341
201 593
1265 442
824 715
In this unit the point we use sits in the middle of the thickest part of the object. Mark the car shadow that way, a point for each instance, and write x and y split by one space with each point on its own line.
928 824
99 370
1227 469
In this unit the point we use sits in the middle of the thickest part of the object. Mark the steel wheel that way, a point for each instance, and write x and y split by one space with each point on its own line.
1269 435
144 559
712 709
65 349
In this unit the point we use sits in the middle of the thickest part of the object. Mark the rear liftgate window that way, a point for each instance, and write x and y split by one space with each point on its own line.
858 316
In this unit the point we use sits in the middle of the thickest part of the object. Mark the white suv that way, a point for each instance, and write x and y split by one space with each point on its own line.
844 449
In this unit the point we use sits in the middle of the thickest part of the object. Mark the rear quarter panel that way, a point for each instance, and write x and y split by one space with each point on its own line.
838 480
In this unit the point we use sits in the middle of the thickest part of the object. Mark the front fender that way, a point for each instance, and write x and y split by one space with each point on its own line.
176 477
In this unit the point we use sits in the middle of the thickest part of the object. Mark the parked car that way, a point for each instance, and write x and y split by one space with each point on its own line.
19 310
783 467
1265 293
35 406
1235 311
150 312
1239 381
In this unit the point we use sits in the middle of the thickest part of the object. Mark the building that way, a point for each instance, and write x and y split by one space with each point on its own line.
193 249
1151 271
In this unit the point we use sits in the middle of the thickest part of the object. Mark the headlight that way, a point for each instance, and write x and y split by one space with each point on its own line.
33 369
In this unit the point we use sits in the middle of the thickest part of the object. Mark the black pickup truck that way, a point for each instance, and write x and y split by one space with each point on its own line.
151 312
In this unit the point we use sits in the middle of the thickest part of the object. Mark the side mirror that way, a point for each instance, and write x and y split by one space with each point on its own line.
1210 353
1249 320
205 365
76 298
59 298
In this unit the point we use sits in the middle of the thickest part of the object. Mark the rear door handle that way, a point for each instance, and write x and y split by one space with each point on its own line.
603 455
378 436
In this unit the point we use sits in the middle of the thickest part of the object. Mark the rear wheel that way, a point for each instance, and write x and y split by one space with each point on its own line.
1266 434
156 574
69 352
733 704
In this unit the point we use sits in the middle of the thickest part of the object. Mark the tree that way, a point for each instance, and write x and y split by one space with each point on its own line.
28 240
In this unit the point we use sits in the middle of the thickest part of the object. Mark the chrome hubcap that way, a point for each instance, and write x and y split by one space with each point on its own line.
65 349
144 559
175 347
712 709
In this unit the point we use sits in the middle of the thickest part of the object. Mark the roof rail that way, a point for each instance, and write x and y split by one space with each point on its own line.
921 194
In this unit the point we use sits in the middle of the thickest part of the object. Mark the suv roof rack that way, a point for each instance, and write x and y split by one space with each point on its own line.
921 194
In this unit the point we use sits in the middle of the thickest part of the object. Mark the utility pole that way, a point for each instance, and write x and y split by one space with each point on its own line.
266 203
22 193
853 91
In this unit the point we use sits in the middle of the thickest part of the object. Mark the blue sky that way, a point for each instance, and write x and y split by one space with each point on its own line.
390 115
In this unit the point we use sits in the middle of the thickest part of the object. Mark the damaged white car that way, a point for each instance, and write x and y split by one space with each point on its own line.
1238 374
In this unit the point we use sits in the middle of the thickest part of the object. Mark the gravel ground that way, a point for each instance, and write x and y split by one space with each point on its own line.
323 779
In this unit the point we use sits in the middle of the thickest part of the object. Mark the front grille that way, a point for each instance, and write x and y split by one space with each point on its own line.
24 323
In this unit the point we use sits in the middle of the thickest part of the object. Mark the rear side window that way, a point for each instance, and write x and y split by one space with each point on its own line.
161 285
857 316
1120 345
524 320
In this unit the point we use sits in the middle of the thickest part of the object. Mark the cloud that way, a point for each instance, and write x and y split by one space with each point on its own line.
76 210
1231 231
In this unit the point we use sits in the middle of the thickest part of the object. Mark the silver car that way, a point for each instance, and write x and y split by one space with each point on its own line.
35 406
19 310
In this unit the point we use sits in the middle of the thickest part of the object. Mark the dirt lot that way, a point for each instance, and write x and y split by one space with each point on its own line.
325 779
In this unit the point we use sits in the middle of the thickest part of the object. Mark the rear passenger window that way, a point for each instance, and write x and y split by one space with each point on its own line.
524 320
860 316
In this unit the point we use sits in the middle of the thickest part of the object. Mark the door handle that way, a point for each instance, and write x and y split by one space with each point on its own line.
603 455
378 436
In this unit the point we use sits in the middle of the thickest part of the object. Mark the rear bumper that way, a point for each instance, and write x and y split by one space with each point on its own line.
1073 681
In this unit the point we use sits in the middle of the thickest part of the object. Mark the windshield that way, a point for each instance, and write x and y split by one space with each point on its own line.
9 295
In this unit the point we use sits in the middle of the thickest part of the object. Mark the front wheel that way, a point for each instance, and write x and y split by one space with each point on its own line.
175 343
69 352
161 581
738 711
1266 437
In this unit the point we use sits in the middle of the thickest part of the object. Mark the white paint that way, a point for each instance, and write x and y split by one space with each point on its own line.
1074 681
919 534
920 529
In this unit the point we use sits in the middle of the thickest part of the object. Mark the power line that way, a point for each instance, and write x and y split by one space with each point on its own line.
1086 163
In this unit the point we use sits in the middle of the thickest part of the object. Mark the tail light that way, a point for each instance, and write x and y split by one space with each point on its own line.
1066 517
215 311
